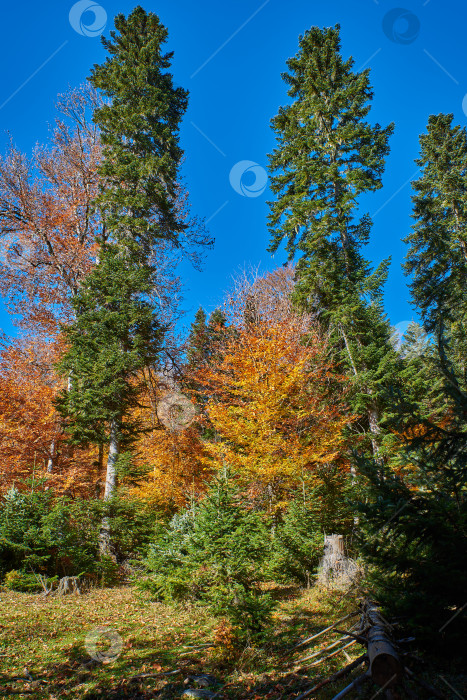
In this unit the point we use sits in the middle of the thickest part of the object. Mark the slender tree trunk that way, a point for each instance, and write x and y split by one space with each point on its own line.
373 419
50 461
110 485
114 450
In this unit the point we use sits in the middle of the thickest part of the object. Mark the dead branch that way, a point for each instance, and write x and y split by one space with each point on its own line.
339 674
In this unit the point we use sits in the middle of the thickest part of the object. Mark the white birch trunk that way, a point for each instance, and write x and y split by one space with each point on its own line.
111 474
110 486
50 461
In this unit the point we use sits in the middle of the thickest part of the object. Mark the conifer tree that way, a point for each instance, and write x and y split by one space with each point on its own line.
420 557
215 553
116 335
117 332
327 156
437 256
140 132
198 339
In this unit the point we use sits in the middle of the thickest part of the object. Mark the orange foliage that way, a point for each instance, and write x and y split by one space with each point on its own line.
270 402
31 437
173 463
47 225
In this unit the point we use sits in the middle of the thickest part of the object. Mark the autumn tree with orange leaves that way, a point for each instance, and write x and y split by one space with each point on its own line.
277 410
32 440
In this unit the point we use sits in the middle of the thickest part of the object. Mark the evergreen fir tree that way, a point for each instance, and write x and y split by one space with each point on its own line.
215 554
414 533
140 132
197 349
116 332
417 517
437 257
327 156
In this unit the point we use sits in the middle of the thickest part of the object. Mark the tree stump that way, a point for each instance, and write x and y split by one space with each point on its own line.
68 585
335 566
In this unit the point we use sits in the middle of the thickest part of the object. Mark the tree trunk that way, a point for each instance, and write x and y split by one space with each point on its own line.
385 666
110 485
50 461
114 450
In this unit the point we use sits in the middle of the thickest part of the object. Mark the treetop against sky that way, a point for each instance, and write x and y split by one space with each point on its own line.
230 58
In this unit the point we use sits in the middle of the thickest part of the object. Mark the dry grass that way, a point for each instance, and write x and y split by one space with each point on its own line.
43 652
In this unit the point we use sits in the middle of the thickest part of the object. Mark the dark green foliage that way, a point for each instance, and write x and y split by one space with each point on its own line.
38 533
416 518
59 536
115 335
202 343
198 343
437 256
139 131
297 544
116 332
327 156
298 536
415 534
214 553
420 377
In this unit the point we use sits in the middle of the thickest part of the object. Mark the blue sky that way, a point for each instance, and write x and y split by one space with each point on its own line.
230 56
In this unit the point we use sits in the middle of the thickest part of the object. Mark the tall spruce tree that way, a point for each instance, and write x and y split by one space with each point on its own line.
327 156
420 556
116 332
437 256
140 132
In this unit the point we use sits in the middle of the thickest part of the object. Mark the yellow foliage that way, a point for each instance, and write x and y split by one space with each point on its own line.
273 404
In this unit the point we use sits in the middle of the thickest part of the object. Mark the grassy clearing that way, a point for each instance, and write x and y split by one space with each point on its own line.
43 650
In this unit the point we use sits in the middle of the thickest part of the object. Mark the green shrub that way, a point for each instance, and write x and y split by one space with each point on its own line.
59 536
21 581
297 545
214 553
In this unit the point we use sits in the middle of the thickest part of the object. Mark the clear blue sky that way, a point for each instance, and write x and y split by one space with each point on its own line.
230 56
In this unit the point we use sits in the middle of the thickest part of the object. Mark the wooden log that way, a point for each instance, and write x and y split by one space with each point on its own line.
386 668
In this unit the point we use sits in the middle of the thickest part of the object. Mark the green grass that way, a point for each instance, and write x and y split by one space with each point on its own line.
43 649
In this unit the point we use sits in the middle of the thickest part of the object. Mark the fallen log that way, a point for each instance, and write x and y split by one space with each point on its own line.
386 669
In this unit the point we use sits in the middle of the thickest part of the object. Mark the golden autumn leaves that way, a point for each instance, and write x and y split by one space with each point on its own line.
270 409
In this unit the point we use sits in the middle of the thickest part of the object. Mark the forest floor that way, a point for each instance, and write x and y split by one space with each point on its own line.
44 653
